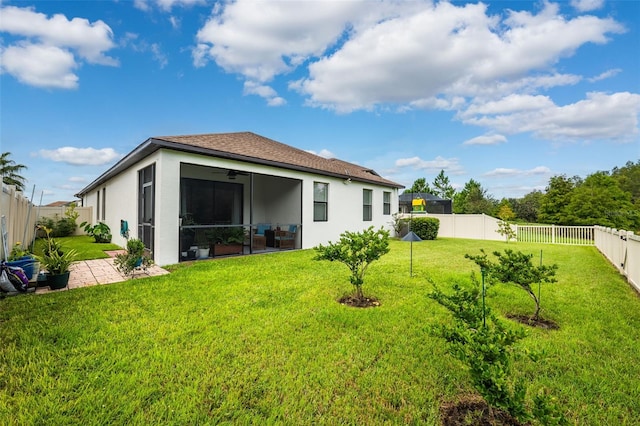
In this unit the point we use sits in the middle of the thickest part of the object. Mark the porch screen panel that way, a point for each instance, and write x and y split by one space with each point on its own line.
146 205
210 202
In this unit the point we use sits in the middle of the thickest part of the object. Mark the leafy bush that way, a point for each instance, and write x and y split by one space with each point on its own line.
133 258
485 345
100 232
426 227
59 227
356 250
517 268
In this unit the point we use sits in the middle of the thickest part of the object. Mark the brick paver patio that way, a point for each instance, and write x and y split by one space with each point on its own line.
100 271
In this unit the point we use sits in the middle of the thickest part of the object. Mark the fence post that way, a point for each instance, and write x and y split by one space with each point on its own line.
553 234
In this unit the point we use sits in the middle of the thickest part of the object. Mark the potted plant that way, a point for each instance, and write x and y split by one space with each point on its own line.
100 232
56 262
203 244
226 240
135 257
22 258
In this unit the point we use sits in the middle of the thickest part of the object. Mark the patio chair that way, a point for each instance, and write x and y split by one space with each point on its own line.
259 239
286 238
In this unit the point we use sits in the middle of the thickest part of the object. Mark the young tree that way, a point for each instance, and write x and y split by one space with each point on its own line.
486 347
517 268
356 250
442 187
504 227
10 171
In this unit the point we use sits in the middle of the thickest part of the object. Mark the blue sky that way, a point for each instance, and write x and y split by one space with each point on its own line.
506 93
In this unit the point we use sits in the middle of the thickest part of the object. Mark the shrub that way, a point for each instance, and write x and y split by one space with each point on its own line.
133 258
356 250
517 268
426 227
485 345
100 232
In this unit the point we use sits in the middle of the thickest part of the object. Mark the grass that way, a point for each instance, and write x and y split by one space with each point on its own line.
261 339
85 245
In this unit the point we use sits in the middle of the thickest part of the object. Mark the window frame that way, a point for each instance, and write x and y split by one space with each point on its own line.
386 203
321 203
367 209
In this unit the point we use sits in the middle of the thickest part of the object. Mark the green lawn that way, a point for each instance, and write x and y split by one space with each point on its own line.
260 339
85 245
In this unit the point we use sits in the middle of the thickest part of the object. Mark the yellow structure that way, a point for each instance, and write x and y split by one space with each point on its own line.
418 205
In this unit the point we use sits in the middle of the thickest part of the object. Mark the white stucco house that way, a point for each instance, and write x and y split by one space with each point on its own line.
173 190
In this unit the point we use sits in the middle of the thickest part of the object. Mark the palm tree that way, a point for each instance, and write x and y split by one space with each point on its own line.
10 171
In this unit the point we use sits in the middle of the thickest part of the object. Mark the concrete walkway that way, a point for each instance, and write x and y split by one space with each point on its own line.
86 273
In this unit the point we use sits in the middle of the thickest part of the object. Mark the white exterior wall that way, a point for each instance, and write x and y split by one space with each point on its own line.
345 207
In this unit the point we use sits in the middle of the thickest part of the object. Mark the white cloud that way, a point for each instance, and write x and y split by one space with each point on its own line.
449 165
25 62
599 116
81 156
264 91
506 172
49 49
166 5
448 50
79 179
605 75
587 5
359 54
323 153
490 139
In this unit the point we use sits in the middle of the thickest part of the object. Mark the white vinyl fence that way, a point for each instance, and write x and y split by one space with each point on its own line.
84 215
472 226
622 248
18 219
555 234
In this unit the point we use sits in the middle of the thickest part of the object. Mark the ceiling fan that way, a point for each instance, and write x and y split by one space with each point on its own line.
232 174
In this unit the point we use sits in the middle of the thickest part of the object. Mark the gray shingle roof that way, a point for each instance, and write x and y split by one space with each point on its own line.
247 146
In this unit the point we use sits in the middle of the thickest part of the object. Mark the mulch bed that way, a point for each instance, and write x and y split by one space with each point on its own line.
539 323
365 302
473 410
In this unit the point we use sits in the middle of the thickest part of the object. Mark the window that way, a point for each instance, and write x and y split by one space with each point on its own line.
320 201
104 203
367 196
386 202
98 206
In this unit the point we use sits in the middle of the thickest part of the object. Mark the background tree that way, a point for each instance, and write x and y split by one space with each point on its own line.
527 207
419 185
554 203
473 199
628 178
599 200
10 171
442 187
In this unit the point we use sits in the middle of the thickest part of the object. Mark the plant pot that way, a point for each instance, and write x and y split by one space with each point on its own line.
226 249
27 263
58 281
203 253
